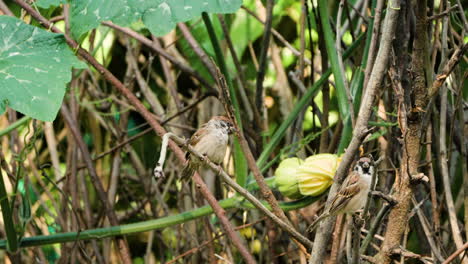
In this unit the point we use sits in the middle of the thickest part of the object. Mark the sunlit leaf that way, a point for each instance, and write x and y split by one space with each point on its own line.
159 16
35 66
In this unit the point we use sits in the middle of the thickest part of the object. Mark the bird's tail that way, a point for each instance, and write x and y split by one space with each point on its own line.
188 171
317 221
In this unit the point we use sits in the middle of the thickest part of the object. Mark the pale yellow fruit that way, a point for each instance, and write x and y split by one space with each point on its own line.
311 177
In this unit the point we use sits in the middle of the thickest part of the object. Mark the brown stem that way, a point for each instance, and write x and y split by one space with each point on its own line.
335 249
266 192
456 253
248 103
373 46
102 195
144 86
361 130
442 14
448 68
444 168
197 49
278 36
147 42
4 8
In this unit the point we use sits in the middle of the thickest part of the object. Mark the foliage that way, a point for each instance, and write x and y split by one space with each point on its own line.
35 66
315 81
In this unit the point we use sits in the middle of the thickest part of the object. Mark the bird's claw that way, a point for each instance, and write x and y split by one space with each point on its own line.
358 219
203 157
219 169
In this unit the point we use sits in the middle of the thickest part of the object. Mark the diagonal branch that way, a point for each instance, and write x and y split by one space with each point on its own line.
447 70
264 189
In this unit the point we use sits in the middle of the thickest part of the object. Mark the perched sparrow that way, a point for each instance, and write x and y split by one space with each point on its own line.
352 195
210 140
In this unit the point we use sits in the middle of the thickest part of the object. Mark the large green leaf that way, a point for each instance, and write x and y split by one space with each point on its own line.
48 3
159 16
35 66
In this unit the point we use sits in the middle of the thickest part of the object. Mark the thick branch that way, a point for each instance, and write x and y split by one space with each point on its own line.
360 131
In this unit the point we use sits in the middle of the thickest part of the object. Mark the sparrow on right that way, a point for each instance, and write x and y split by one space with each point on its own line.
353 193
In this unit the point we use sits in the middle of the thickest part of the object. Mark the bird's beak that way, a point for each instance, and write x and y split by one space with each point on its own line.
366 165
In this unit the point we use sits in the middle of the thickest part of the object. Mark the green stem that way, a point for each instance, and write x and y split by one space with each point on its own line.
240 162
15 125
144 226
12 241
303 102
343 105
155 224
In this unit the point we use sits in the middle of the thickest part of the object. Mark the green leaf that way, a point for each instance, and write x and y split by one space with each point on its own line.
35 66
343 105
88 14
159 16
199 32
49 3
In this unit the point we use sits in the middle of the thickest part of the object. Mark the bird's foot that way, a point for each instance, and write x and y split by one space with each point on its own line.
358 219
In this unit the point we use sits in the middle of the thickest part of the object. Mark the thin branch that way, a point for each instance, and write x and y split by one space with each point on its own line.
442 14
447 70
374 226
148 43
144 86
264 189
4 8
429 233
375 38
278 36
456 253
248 103
101 193
210 241
456 235
197 49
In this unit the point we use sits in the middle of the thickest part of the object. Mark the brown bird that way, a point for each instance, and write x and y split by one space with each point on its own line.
352 195
210 140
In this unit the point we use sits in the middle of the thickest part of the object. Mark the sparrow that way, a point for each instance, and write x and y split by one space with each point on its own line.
352 195
210 140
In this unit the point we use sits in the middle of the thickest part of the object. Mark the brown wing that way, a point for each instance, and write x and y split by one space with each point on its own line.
349 188
195 138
